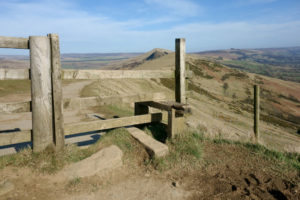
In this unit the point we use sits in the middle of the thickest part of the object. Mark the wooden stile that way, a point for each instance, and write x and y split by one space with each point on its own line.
82 127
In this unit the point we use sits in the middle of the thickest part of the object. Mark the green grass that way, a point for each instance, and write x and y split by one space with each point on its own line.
185 152
8 87
50 161
47 161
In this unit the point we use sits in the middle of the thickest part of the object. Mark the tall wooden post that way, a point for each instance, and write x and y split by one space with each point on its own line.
58 121
180 95
256 112
41 92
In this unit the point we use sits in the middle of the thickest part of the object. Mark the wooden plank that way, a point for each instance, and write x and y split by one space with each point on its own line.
15 107
85 102
41 92
58 120
15 137
180 73
14 42
112 74
14 74
157 105
256 112
154 147
75 103
73 128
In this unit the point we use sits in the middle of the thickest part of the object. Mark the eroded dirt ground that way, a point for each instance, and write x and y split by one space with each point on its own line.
226 171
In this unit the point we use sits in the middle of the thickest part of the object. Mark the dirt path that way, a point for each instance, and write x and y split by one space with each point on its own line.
226 172
73 89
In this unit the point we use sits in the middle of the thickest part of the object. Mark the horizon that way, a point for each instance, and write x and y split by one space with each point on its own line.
138 26
153 49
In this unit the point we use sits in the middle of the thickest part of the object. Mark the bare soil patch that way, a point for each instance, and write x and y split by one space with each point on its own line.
225 171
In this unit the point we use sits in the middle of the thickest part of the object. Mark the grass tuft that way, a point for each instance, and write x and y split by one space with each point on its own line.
50 161
185 152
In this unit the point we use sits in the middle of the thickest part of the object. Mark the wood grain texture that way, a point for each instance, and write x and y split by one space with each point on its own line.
41 92
112 74
15 107
14 42
15 137
14 74
85 102
58 120
180 74
73 128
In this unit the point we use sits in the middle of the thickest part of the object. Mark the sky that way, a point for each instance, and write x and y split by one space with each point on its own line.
106 26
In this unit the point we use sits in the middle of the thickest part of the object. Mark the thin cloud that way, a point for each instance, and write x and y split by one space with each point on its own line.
177 7
253 2
84 32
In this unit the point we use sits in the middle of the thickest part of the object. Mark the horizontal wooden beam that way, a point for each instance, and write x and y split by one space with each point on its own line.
112 74
14 74
14 42
157 105
167 106
73 128
75 103
15 107
8 138
85 102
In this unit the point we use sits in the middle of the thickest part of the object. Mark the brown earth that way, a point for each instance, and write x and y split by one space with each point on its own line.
227 171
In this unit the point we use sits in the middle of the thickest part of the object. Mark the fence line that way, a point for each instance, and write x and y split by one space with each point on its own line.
46 92
85 102
67 74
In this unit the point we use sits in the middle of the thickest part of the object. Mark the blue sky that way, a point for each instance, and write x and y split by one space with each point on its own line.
137 26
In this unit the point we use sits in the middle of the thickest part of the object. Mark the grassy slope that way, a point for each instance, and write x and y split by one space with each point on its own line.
281 63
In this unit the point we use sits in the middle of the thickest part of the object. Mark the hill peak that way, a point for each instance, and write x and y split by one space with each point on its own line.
156 53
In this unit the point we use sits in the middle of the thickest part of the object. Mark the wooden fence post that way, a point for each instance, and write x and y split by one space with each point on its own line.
58 121
171 123
180 70
256 112
41 92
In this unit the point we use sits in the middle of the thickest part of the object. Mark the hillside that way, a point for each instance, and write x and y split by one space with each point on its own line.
282 63
213 159
222 98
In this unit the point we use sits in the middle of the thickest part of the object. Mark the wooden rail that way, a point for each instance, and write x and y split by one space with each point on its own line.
112 74
73 128
85 102
8 138
14 42
21 74
14 74
47 104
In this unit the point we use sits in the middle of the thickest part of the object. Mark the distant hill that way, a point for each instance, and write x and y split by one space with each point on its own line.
282 63
222 99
